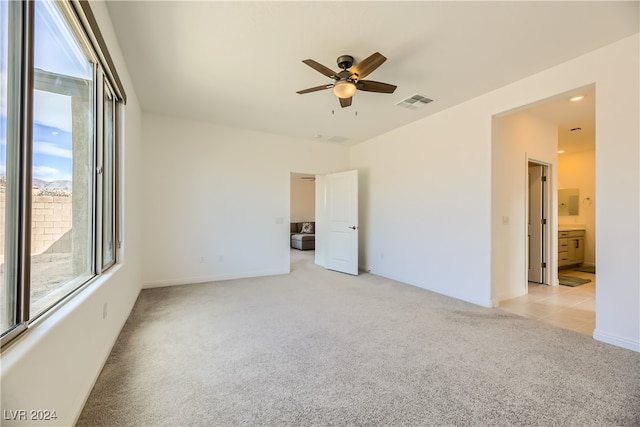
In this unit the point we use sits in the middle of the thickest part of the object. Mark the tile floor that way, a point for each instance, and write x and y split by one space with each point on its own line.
561 306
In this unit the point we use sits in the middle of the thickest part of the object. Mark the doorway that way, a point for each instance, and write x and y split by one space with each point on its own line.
538 234
302 210
570 164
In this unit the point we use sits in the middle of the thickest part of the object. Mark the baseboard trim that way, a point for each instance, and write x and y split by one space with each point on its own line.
495 301
488 303
214 278
616 340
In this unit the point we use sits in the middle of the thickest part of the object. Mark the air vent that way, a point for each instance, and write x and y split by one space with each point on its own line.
413 102
338 139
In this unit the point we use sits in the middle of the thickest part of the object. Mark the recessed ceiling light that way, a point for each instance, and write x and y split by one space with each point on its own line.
576 98
560 151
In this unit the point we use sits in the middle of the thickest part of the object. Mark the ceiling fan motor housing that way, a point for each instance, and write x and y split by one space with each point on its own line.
345 62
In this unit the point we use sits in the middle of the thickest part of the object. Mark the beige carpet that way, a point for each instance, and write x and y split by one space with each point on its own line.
321 348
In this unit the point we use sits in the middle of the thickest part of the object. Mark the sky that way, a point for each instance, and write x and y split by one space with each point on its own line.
56 51
52 154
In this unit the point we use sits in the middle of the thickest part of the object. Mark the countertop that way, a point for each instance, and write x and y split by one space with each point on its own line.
571 227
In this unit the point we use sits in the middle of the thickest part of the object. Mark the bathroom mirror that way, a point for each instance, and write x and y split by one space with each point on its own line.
568 201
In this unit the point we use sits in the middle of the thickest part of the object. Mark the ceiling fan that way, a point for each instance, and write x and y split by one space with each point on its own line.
348 81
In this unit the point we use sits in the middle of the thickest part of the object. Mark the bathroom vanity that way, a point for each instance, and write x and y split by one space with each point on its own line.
570 245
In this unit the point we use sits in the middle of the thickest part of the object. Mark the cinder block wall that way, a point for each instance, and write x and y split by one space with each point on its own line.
50 220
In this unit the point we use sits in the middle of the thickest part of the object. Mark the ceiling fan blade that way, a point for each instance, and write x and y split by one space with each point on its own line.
371 86
367 65
345 102
314 89
321 68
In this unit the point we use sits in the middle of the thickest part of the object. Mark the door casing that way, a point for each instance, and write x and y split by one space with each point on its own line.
545 235
536 223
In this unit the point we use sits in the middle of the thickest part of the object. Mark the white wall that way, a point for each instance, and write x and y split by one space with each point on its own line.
578 170
517 138
55 364
216 199
425 203
426 192
303 199
617 212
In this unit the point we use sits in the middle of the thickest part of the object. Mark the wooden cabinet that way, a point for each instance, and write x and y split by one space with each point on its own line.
570 247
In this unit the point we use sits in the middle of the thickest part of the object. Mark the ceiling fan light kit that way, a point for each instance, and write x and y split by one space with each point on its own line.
344 89
348 81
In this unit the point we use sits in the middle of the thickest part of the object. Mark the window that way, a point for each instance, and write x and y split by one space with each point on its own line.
62 166
7 292
58 122
108 178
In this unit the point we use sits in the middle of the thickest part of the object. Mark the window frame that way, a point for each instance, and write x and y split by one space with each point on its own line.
103 173
17 207
20 105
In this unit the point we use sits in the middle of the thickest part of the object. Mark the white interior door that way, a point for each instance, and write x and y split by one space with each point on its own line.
536 223
342 221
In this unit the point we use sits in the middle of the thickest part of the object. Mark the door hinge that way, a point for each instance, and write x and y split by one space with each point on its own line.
543 178
543 221
543 265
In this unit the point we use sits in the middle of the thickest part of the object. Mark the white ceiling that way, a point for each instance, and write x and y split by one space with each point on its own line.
239 63
576 121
